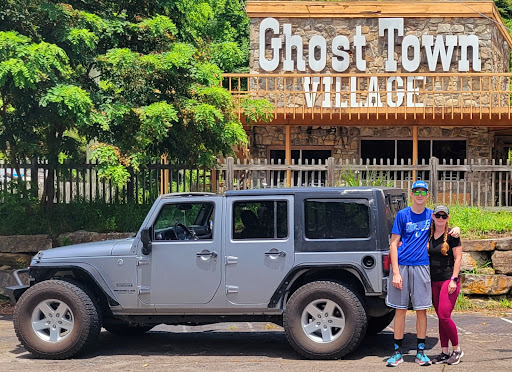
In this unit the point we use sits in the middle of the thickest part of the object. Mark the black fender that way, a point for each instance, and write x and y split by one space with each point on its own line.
41 271
299 270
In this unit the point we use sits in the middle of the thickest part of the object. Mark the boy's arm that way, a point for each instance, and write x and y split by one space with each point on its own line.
393 255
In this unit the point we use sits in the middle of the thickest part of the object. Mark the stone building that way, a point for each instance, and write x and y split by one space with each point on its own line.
379 79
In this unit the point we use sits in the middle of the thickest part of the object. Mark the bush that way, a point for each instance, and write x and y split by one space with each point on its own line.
26 217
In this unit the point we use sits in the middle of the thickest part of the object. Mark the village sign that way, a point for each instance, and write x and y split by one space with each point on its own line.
437 48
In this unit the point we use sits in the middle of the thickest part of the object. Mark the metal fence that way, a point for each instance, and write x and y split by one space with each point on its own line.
470 182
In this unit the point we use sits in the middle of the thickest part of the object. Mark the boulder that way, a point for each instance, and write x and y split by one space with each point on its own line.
485 284
81 236
504 244
24 243
502 262
14 260
481 245
473 260
7 279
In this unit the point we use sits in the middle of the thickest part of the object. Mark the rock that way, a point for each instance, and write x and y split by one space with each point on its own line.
15 260
502 262
7 279
504 244
81 236
473 260
479 245
24 243
485 284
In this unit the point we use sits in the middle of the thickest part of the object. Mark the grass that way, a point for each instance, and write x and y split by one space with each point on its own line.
493 305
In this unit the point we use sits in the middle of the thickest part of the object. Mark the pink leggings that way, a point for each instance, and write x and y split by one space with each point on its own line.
444 304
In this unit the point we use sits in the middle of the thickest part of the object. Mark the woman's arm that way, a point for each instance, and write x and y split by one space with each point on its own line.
457 254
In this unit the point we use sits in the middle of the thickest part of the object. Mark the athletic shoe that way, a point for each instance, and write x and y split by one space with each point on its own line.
455 357
441 358
395 359
422 359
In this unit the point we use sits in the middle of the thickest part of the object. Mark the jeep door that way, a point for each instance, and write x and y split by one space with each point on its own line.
259 246
184 264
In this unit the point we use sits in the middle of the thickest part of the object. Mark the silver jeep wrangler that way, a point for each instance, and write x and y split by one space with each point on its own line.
314 260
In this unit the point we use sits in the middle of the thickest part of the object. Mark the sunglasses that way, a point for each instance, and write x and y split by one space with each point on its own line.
439 215
418 192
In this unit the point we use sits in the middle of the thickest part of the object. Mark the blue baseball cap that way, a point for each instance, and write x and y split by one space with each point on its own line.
420 184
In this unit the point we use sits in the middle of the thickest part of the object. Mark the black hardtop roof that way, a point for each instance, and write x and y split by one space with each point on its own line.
288 191
312 190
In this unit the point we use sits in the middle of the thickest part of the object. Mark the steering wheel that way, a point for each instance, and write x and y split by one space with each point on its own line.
182 232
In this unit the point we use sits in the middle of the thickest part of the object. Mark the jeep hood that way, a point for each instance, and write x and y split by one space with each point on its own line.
94 249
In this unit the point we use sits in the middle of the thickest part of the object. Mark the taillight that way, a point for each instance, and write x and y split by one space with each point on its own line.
386 262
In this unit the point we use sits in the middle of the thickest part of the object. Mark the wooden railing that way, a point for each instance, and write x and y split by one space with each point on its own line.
437 98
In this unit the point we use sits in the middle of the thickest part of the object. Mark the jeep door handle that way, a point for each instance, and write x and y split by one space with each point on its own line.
206 253
275 252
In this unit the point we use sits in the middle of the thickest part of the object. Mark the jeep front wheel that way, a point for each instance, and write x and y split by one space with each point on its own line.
324 320
56 319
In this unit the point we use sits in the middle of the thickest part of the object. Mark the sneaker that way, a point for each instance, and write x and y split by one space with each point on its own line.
441 358
422 359
455 357
395 359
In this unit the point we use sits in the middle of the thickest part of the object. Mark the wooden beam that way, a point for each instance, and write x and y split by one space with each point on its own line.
414 151
288 155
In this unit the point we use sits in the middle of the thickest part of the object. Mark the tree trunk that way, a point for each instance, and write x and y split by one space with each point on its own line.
53 141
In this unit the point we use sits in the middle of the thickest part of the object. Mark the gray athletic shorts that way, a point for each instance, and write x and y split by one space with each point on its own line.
416 288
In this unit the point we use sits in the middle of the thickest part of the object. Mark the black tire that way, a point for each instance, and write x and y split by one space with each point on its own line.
347 307
80 315
376 325
126 329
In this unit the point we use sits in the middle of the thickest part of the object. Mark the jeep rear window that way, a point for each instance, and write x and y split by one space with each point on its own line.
266 219
336 219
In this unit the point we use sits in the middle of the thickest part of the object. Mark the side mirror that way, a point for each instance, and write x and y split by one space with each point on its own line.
145 237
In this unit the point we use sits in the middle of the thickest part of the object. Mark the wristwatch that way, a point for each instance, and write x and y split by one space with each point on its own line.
455 278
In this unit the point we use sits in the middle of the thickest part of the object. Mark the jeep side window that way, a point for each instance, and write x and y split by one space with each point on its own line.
196 217
335 219
266 219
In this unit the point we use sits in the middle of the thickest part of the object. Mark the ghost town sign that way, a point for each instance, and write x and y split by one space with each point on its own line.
399 91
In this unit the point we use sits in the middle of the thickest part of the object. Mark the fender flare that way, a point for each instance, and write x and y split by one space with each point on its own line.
84 268
297 271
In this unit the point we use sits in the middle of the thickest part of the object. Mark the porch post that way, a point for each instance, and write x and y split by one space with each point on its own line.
414 151
288 155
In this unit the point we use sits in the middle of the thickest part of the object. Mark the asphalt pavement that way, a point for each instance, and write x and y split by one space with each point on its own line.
486 342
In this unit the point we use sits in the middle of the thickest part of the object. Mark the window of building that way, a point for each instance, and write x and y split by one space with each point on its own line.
402 149
266 219
336 219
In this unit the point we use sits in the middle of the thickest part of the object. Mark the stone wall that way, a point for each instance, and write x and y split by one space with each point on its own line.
345 141
487 266
494 51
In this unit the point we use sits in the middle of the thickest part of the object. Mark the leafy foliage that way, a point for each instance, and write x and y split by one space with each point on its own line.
140 78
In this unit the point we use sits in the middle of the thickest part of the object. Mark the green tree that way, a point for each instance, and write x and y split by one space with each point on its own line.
142 78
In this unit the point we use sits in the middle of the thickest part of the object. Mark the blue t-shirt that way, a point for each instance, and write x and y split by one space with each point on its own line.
414 230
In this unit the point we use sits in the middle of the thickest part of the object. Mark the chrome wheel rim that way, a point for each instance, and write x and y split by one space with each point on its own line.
52 320
323 321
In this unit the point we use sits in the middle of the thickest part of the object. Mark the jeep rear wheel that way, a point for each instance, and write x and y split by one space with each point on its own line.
324 320
56 319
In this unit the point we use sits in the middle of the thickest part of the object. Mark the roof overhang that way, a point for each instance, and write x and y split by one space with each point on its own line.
379 9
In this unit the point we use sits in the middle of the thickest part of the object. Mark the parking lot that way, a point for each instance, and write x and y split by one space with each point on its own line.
486 341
